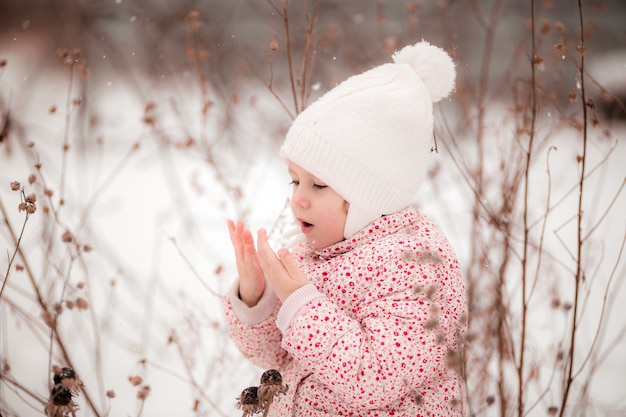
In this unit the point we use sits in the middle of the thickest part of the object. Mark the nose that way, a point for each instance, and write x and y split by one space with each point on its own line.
300 198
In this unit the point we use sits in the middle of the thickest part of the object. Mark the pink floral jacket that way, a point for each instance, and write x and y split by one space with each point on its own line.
376 333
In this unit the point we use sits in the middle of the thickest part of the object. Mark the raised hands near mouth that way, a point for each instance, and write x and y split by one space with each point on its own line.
251 277
281 268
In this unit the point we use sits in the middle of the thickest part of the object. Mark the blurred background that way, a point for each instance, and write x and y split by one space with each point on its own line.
141 126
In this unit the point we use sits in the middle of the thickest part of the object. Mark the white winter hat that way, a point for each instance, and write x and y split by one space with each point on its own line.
369 137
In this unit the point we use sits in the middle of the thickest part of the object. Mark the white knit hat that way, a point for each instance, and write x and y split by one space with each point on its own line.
369 137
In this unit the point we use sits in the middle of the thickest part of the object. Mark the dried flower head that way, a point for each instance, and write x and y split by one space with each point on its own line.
271 386
58 308
271 377
82 304
254 400
135 380
67 237
66 386
143 393
49 319
15 186
248 401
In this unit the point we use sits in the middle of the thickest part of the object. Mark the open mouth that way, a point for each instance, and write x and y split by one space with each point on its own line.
306 226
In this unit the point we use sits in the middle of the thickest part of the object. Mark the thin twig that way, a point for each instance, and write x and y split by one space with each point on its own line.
66 137
258 75
529 154
603 309
193 269
17 245
579 271
289 58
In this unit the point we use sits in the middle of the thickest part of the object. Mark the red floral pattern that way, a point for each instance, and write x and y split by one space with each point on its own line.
383 336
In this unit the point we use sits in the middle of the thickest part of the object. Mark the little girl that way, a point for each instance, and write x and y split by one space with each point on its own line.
367 317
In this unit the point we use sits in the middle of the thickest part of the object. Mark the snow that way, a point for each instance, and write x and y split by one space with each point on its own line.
161 255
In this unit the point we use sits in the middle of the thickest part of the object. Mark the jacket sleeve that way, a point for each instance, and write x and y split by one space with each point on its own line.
395 343
253 330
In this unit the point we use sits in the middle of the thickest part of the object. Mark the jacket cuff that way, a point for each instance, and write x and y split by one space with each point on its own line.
251 316
296 302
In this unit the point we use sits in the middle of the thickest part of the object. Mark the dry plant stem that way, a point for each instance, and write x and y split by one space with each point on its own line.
606 211
501 314
15 239
486 57
8 380
66 137
192 46
267 406
193 269
529 150
43 305
310 26
53 331
108 181
588 173
260 77
191 378
17 245
285 16
95 326
191 42
603 311
542 234
579 272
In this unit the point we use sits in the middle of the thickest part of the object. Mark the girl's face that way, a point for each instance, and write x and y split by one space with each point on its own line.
319 210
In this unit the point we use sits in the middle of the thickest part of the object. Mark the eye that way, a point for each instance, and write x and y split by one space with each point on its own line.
319 186
294 182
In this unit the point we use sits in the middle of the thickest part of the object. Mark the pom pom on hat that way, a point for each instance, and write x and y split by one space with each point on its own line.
369 138
433 65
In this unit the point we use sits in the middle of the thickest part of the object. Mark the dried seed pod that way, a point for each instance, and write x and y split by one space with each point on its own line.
249 396
271 377
60 395
66 386
271 386
65 373
248 401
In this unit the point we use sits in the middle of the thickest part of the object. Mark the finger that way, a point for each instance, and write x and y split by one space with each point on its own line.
247 238
235 239
267 258
250 252
232 231
291 266
265 251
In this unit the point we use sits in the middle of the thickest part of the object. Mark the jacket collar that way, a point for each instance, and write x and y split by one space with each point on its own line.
383 226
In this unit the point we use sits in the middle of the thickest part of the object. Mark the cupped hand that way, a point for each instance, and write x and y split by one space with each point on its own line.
281 269
251 278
